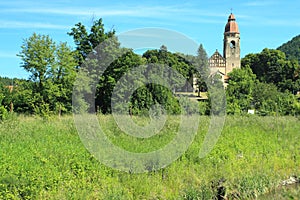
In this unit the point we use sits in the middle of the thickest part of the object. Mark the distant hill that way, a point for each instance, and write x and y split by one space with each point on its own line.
5 81
292 48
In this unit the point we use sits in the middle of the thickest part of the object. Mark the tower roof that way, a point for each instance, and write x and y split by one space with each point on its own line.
231 26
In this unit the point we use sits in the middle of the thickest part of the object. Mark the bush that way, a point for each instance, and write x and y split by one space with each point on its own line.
204 108
3 113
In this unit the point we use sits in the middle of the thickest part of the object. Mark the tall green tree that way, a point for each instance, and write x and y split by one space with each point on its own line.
38 56
96 49
203 69
86 41
52 71
240 90
203 58
63 74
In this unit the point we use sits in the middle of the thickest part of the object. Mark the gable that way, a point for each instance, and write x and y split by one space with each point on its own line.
217 60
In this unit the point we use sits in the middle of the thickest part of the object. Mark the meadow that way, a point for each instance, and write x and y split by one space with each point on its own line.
45 159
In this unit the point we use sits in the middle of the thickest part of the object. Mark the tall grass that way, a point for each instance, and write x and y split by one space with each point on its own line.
46 160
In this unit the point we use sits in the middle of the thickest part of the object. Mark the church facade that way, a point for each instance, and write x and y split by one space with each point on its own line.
224 64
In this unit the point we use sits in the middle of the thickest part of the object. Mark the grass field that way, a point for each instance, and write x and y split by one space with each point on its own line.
47 160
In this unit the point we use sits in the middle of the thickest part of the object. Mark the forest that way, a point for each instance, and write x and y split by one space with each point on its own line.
267 81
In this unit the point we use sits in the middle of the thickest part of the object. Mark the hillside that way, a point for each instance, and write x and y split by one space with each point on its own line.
5 81
292 48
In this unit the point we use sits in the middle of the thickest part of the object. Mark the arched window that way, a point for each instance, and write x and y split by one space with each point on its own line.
232 44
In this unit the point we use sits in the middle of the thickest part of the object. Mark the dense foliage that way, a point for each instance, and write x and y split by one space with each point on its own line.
268 81
271 66
292 48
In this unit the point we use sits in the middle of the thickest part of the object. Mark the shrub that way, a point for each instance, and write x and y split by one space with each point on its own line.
3 113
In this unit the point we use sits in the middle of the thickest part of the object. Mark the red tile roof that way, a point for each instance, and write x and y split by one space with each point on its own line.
231 26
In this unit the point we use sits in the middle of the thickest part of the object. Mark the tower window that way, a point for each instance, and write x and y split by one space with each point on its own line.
232 44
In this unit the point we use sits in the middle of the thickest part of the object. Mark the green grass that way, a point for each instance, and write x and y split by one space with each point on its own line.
289 192
46 160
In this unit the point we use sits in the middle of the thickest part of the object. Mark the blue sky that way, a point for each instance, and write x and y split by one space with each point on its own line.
261 23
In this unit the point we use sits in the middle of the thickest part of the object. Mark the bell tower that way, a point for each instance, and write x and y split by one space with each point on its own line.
231 50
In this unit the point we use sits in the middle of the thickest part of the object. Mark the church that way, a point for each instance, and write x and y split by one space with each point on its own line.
224 64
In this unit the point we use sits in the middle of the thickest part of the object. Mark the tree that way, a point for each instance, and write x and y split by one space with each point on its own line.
269 101
175 61
52 71
23 96
239 90
86 41
202 67
63 74
38 56
112 75
202 57
267 65
216 95
271 66
95 50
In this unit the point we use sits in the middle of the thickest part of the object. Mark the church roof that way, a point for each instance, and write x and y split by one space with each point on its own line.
231 26
216 56
217 60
